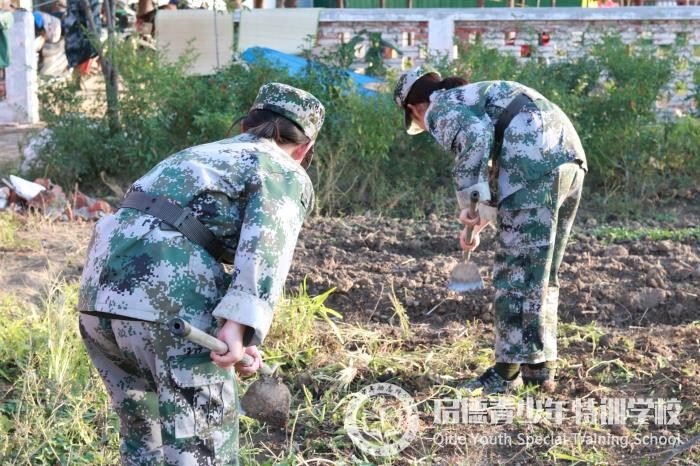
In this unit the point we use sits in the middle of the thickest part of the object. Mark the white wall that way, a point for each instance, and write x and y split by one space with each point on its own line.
571 30
266 3
21 104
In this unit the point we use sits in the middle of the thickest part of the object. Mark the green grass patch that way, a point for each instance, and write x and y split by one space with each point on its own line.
610 234
53 407
9 225
55 410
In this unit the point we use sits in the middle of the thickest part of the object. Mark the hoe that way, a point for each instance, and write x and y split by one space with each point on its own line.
266 400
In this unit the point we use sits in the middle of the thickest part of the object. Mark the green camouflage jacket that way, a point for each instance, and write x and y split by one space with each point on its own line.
249 193
463 119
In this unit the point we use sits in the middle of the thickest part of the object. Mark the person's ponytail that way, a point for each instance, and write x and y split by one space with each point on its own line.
452 82
271 125
421 89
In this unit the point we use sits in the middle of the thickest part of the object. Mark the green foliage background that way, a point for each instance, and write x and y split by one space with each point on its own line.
364 160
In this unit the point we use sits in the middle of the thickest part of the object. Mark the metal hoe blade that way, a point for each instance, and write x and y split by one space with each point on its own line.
267 400
465 277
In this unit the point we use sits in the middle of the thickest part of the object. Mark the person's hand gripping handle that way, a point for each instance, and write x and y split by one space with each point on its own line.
470 218
181 328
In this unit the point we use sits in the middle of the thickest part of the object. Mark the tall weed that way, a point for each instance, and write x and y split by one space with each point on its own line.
53 407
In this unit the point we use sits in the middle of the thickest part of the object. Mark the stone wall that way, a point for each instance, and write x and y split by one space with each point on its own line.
535 33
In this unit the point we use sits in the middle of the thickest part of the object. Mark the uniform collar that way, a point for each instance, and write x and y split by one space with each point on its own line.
426 118
273 146
436 94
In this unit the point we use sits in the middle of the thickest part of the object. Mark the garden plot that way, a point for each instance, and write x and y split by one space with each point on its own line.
636 283
628 329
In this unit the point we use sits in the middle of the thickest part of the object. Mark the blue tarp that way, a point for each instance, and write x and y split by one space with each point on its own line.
297 65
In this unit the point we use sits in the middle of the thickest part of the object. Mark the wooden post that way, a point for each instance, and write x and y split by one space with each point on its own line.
511 3
111 75
341 4
258 4
381 3
481 3
279 3
409 4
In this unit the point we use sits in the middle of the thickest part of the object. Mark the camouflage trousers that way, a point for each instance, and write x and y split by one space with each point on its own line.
175 406
534 224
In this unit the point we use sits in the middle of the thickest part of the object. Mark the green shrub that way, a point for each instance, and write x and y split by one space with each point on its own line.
161 110
364 160
609 94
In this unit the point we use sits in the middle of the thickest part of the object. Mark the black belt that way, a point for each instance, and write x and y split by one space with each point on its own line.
107 315
513 108
183 220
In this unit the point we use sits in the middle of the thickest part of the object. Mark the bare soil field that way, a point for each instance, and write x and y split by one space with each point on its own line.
636 283
629 328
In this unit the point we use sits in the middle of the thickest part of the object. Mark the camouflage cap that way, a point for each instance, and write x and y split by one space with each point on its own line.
408 79
295 104
403 87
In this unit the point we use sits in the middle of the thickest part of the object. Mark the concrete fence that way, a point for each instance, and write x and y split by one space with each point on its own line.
555 34
21 104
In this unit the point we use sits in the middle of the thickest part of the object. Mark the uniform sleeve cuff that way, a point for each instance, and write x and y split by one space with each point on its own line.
463 196
488 213
248 310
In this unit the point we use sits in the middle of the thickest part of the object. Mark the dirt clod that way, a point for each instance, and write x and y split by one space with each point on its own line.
620 430
696 272
665 246
616 250
607 341
647 298
548 386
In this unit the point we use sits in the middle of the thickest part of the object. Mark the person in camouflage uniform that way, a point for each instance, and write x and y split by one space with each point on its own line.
78 45
534 177
177 402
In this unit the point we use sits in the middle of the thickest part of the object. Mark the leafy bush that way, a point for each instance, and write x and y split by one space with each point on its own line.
161 111
364 159
610 95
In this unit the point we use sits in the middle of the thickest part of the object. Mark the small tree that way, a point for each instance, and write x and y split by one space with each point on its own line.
109 69
374 55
